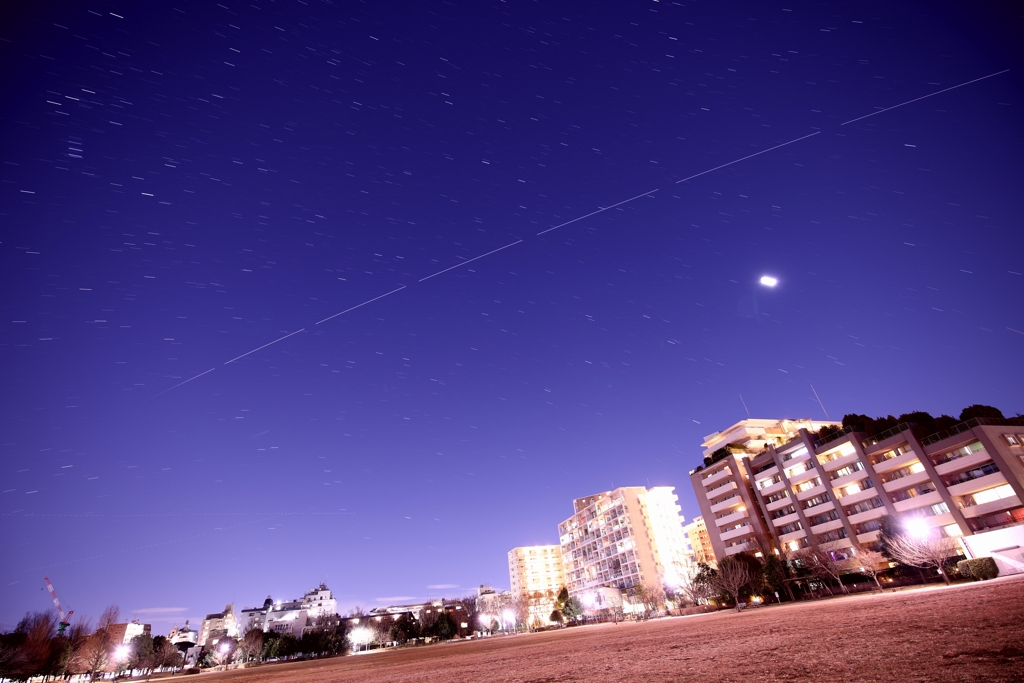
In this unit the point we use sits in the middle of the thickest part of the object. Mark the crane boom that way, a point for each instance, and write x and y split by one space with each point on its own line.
64 618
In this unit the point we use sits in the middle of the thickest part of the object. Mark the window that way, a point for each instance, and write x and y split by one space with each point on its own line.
833 535
817 500
1012 439
844 471
829 516
961 452
888 455
907 494
977 472
782 512
776 497
989 495
937 509
764 483
864 506
790 528
808 485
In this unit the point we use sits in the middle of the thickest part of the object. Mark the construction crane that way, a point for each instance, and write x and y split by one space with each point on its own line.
65 619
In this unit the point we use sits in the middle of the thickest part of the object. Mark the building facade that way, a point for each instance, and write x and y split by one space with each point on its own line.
536 575
722 485
834 490
700 540
123 633
219 625
185 634
623 538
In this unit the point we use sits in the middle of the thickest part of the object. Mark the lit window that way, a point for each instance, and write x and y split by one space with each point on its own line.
1012 439
916 467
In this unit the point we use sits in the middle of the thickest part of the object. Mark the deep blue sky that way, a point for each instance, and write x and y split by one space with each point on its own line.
184 184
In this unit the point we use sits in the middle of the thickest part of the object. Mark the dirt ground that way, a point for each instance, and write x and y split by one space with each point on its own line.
973 632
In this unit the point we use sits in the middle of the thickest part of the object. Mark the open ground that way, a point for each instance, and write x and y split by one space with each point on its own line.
971 632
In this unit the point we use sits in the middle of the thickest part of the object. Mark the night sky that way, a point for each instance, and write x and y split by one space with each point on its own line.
186 182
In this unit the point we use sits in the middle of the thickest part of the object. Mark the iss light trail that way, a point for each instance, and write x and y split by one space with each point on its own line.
767 280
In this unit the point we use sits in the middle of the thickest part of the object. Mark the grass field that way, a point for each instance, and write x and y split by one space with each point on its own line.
971 632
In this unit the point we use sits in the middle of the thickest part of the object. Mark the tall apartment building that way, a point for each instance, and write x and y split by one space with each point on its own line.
723 486
623 538
219 625
964 481
536 575
700 540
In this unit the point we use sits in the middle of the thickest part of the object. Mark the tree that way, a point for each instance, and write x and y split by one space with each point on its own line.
556 616
646 597
774 573
870 562
95 652
382 627
979 410
572 609
140 654
406 628
923 547
731 577
165 653
825 561
251 645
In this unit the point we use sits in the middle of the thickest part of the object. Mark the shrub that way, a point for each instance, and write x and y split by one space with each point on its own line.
980 568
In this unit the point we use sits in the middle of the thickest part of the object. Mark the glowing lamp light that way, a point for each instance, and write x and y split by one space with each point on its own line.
360 636
917 527
121 653
769 281
794 546
509 616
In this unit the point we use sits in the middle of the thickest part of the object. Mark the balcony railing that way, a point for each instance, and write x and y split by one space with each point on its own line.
828 438
971 424
887 434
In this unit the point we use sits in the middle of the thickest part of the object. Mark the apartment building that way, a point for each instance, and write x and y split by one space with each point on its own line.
700 540
536 575
122 634
723 486
623 538
966 480
219 625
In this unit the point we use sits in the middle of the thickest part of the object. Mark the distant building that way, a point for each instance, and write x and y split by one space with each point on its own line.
287 616
623 538
183 635
700 540
123 633
218 625
320 602
536 575
256 617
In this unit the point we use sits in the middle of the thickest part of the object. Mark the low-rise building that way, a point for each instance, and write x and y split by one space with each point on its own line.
185 634
123 633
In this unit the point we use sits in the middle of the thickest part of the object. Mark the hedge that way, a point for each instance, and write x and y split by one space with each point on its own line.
979 568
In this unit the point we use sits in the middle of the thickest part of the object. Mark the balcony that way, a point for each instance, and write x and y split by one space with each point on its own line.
833 465
858 497
795 536
731 501
732 517
801 455
990 507
869 537
831 525
722 489
811 492
737 533
801 477
732 550
788 519
979 484
768 473
917 501
774 488
723 473
896 463
867 515
820 508
779 504
907 481
964 463
851 478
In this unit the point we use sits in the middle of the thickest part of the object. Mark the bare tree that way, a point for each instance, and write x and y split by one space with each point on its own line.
924 549
825 561
731 577
382 628
693 586
95 652
252 643
870 562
